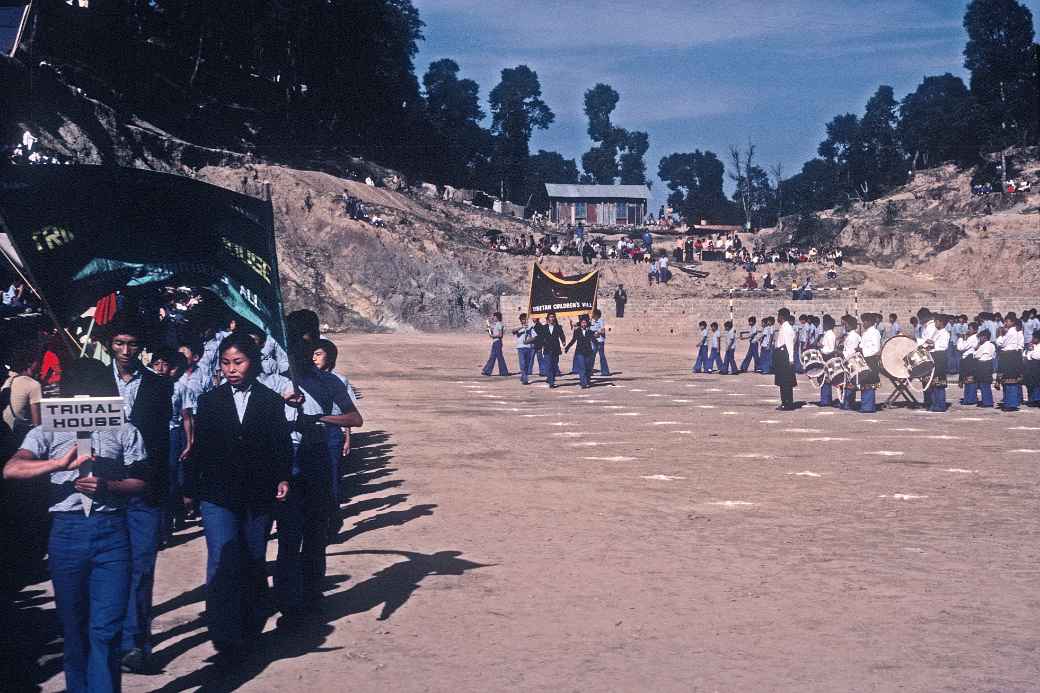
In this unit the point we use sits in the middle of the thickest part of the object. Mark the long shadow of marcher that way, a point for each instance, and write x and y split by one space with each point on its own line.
393 518
30 635
391 587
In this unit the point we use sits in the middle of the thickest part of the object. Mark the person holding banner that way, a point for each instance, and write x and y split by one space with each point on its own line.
240 469
89 548
583 340
147 402
552 341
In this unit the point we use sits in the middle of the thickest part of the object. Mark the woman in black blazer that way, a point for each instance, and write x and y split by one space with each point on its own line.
552 341
240 468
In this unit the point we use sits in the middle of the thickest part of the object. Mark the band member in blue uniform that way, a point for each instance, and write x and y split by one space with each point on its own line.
985 354
701 364
850 347
1009 367
783 351
828 345
751 357
966 346
870 347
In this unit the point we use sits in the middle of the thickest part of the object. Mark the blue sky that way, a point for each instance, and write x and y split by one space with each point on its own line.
702 75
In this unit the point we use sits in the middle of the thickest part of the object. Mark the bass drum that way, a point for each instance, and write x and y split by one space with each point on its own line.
893 353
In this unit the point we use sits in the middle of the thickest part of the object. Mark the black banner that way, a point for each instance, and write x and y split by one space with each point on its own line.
86 231
567 296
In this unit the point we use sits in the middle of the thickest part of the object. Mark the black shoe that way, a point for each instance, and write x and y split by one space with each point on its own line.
135 661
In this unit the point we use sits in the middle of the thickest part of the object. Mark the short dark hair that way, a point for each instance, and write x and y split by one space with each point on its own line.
302 322
522 316
192 345
128 324
244 343
329 348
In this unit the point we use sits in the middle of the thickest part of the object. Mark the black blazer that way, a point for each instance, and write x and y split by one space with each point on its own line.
551 344
238 465
151 414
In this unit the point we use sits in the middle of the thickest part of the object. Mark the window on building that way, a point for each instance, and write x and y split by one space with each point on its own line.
581 210
620 213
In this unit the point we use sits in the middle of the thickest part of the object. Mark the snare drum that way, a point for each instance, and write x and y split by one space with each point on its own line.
856 365
834 371
919 362
814 365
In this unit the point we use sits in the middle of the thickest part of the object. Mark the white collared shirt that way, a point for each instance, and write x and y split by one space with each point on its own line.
870 343
1033 353
1012 340
785 337
967 345
851 344
941 340
828 343
241 398
985 351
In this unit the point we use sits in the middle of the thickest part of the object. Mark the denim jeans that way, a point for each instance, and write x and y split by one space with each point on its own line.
601 352
701 364
143 520
714 360
526 357
90 568
730 364
751 355
236 581
552 367
583 364
496 357
174 507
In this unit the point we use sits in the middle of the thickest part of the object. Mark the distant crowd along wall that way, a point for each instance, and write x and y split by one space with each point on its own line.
679 316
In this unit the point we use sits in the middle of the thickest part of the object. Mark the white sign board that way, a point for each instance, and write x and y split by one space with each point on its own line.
82 416
76 414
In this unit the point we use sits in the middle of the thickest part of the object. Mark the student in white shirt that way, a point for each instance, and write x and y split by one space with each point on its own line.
870 347
966 345
828 345
1009 362
783 365
985 353
850 347
1032 370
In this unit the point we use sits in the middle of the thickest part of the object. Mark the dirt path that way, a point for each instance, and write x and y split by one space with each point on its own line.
666 532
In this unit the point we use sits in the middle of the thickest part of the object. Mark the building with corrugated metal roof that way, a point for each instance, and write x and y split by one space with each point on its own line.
598 205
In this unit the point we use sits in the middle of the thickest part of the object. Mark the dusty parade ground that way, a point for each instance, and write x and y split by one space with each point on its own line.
661 531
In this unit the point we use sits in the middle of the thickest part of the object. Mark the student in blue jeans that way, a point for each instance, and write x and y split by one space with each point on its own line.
701 364
714 358
525 338
239 471
89 549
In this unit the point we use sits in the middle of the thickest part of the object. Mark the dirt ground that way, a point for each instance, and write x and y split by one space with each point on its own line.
662 531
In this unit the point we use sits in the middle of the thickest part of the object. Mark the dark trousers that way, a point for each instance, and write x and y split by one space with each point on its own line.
236 580
552 366
730 364
540 356
714 360
619 309
303 523
786 396
496 357
750 356
583 365
90 568
174 508
702 363
143 520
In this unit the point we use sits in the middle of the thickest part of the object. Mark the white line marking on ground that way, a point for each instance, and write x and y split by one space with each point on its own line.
825 413
769 421
765 385
943 437
682 432
706 406
617 458
637 390
972 418
730 504
870 420
626 413
908 430
886 453
533 415
662 477
729 413
1024 428
1026 450
595 443
813 474
824 440
569 434
736 394
755 456
961 471
559 423
664 423
802 430
714 389
682 401
654 394
613 406
903 496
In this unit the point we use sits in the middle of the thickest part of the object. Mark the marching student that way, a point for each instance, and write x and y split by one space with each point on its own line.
893 328
729 362
783 351
966 346
802 337
552 341
713 349
828 343
766 345
538 329
915 327
751 357
1032 370
702 364
325 356
939 346
1009 368
985 354
495 331
870 347
525 338
172 364
584 351
240 468
89 552
850 347
147 402
599 327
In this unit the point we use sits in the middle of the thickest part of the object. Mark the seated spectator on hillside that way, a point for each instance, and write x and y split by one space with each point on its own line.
767 281
663 273
812 254
677 254
749 281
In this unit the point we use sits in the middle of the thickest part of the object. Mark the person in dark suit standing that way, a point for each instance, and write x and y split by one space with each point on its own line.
239 470
551 341
783 360
147 401
620 299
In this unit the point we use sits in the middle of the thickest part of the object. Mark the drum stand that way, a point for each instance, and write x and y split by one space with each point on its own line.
902 392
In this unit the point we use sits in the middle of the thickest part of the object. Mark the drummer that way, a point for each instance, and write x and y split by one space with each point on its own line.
966 346
984 355
870 347
1009 366
935 337
1032 370
828 343
850 347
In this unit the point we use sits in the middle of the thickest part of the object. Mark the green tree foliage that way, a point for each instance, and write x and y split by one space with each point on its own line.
459 145
939 122
695 181
546 167
760 196
815 187
601 163
517 110
1000 56
633 163
883 159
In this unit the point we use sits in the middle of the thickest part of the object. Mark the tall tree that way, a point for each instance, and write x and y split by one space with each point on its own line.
999 55
454 115
695 181
633 164
743 163
939 122
517 110
883 161
546 167
844 149
600 162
